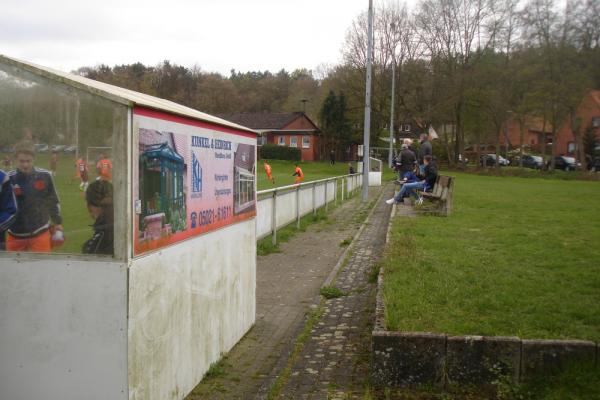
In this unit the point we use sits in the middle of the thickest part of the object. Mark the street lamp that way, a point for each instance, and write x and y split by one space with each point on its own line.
393 26
367 126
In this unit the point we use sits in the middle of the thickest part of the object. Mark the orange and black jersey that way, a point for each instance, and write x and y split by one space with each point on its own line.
37 202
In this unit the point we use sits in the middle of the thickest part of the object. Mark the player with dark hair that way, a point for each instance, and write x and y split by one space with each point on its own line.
298 174
99 198
37 226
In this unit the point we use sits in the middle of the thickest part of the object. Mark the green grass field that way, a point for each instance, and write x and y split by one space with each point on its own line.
517 257
282 172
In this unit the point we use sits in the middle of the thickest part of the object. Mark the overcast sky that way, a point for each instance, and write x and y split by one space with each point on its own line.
217 35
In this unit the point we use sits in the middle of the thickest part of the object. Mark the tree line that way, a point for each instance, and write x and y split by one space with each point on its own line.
464 65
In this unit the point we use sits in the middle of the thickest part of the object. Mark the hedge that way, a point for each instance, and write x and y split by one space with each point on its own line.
275 152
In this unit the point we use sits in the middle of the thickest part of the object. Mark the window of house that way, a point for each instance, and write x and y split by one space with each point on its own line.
281 140
305 142
406 127
595 122
571 147
261 140
293 141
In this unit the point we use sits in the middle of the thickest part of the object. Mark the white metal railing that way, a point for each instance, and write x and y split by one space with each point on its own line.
282 206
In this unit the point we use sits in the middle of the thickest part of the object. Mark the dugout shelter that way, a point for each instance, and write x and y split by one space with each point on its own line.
177 292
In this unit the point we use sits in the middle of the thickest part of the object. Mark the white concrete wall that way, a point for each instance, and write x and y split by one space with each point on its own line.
374 178
286 208
63 330
189 304
264 217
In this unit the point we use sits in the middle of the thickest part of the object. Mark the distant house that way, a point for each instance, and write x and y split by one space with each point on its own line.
411 128
535 133
588 114
293 129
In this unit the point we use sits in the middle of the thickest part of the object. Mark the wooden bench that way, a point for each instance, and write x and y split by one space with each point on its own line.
441 194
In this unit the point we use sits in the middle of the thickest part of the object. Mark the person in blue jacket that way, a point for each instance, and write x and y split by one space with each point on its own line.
8 207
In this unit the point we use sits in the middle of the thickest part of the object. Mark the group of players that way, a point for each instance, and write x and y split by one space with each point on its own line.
299 175
30 213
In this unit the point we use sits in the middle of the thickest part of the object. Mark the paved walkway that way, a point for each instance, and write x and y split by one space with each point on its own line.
288 286
334 362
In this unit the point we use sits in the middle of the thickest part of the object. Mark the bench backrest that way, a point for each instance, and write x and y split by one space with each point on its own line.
443 187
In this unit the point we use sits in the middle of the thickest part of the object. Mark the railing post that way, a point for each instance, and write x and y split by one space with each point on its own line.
343 184
326 184
314 198
298 206
274 218
335 189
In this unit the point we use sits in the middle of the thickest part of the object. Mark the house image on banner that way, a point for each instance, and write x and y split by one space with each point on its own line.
244 172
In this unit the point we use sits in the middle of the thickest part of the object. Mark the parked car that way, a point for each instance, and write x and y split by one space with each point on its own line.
565 163
535 162
490 160
70 149
58 147
41 148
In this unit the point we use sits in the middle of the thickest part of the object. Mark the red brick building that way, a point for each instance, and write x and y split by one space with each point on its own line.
534 134
284 129
588 114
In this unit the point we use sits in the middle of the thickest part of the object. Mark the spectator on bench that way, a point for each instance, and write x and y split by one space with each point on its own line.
425 184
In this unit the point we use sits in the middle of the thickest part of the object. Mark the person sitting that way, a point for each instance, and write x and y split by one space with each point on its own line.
425 184
99 198
350 169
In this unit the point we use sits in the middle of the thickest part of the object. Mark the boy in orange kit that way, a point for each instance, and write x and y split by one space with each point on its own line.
104 168
298 174
268 172
37 226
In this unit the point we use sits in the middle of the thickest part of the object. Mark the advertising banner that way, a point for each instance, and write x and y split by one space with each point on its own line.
192 177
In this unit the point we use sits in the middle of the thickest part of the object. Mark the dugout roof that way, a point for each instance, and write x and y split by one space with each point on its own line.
119 95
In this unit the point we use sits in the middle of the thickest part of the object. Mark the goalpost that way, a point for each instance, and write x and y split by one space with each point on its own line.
92 154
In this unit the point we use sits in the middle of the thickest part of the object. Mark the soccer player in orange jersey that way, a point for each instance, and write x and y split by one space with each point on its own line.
82 173
298 174
104 168
268 172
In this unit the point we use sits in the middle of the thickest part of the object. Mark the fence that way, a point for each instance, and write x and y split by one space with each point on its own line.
281 206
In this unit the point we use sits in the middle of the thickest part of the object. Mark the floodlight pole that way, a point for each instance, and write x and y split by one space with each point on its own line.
367 128
392 110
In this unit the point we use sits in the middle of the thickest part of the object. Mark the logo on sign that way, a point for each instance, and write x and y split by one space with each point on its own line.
196 175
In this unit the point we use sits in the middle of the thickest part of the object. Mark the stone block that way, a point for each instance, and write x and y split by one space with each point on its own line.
546 356
479 359
408 358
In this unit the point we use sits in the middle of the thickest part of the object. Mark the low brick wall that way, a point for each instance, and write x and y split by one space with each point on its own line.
415 358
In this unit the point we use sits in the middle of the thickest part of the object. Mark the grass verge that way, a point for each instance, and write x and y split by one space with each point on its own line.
517 257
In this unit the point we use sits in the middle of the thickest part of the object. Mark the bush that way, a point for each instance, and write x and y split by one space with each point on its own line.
275 152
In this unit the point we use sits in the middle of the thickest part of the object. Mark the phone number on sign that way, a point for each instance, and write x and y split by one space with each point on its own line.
208 217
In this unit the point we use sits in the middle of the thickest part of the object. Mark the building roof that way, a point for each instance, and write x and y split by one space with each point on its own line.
117 94
536 124
595 94
264 120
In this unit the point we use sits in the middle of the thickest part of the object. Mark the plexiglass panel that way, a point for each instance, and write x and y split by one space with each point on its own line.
57 150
